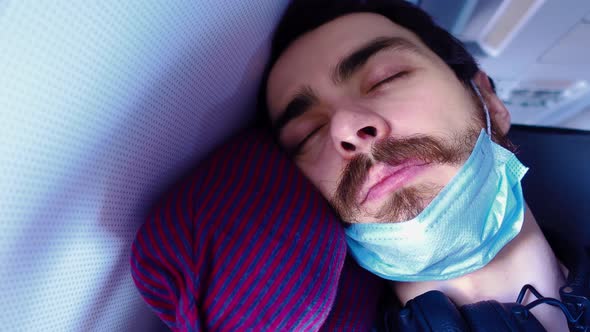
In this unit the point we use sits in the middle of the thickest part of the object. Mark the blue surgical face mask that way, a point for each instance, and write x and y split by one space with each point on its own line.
471 219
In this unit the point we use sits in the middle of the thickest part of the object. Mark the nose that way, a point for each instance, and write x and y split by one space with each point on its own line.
354 132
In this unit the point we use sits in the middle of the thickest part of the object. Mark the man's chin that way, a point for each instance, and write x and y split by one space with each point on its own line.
401 206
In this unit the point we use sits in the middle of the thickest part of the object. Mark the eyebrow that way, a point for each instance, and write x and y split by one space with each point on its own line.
306 98
353 62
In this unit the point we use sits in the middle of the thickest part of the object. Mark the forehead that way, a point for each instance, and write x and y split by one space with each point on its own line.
310 58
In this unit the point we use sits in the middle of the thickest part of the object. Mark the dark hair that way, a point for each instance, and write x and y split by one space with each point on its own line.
305 15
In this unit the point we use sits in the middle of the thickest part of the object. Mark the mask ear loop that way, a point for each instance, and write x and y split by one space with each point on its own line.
485 108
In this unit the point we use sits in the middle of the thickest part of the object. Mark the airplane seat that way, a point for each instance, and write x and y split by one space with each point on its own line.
557 185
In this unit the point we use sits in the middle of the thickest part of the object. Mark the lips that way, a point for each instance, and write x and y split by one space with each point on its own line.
384 179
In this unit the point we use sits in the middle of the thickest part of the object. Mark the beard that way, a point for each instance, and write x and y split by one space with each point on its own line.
408 202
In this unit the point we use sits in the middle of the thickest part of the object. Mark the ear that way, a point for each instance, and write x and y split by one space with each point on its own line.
498 112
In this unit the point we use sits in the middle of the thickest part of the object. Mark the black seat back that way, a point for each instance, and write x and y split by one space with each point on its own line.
557 186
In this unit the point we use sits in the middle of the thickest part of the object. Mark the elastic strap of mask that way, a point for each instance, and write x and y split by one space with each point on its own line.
485 108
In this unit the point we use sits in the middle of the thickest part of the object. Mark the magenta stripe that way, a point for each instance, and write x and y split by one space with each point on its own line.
246 220
293 281
145 279
310 231
241 225
166 242
219 179
334 321
159 304
183 205
157 265
331 284
233 189
205 223
279 260
168 319
338 251
310 278
171 246
200 255
217 173
201 224
175 244
149 294
172 271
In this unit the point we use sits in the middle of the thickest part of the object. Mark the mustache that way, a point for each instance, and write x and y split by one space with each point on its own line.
394 151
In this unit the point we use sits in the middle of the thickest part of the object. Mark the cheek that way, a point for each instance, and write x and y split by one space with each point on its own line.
426 110
449 102
323 171
414 115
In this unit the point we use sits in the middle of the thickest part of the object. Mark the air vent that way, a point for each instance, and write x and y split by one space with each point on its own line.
543 95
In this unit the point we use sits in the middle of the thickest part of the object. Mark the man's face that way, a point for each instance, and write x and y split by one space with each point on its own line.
383 129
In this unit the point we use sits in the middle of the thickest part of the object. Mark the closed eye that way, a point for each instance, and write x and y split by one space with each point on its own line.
298 148
388 80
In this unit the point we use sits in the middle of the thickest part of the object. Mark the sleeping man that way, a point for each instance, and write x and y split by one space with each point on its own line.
392 120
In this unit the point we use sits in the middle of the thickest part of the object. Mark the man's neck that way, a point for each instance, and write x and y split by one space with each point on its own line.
527 259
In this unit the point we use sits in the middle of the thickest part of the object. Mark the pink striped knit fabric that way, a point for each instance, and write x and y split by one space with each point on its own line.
247 243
